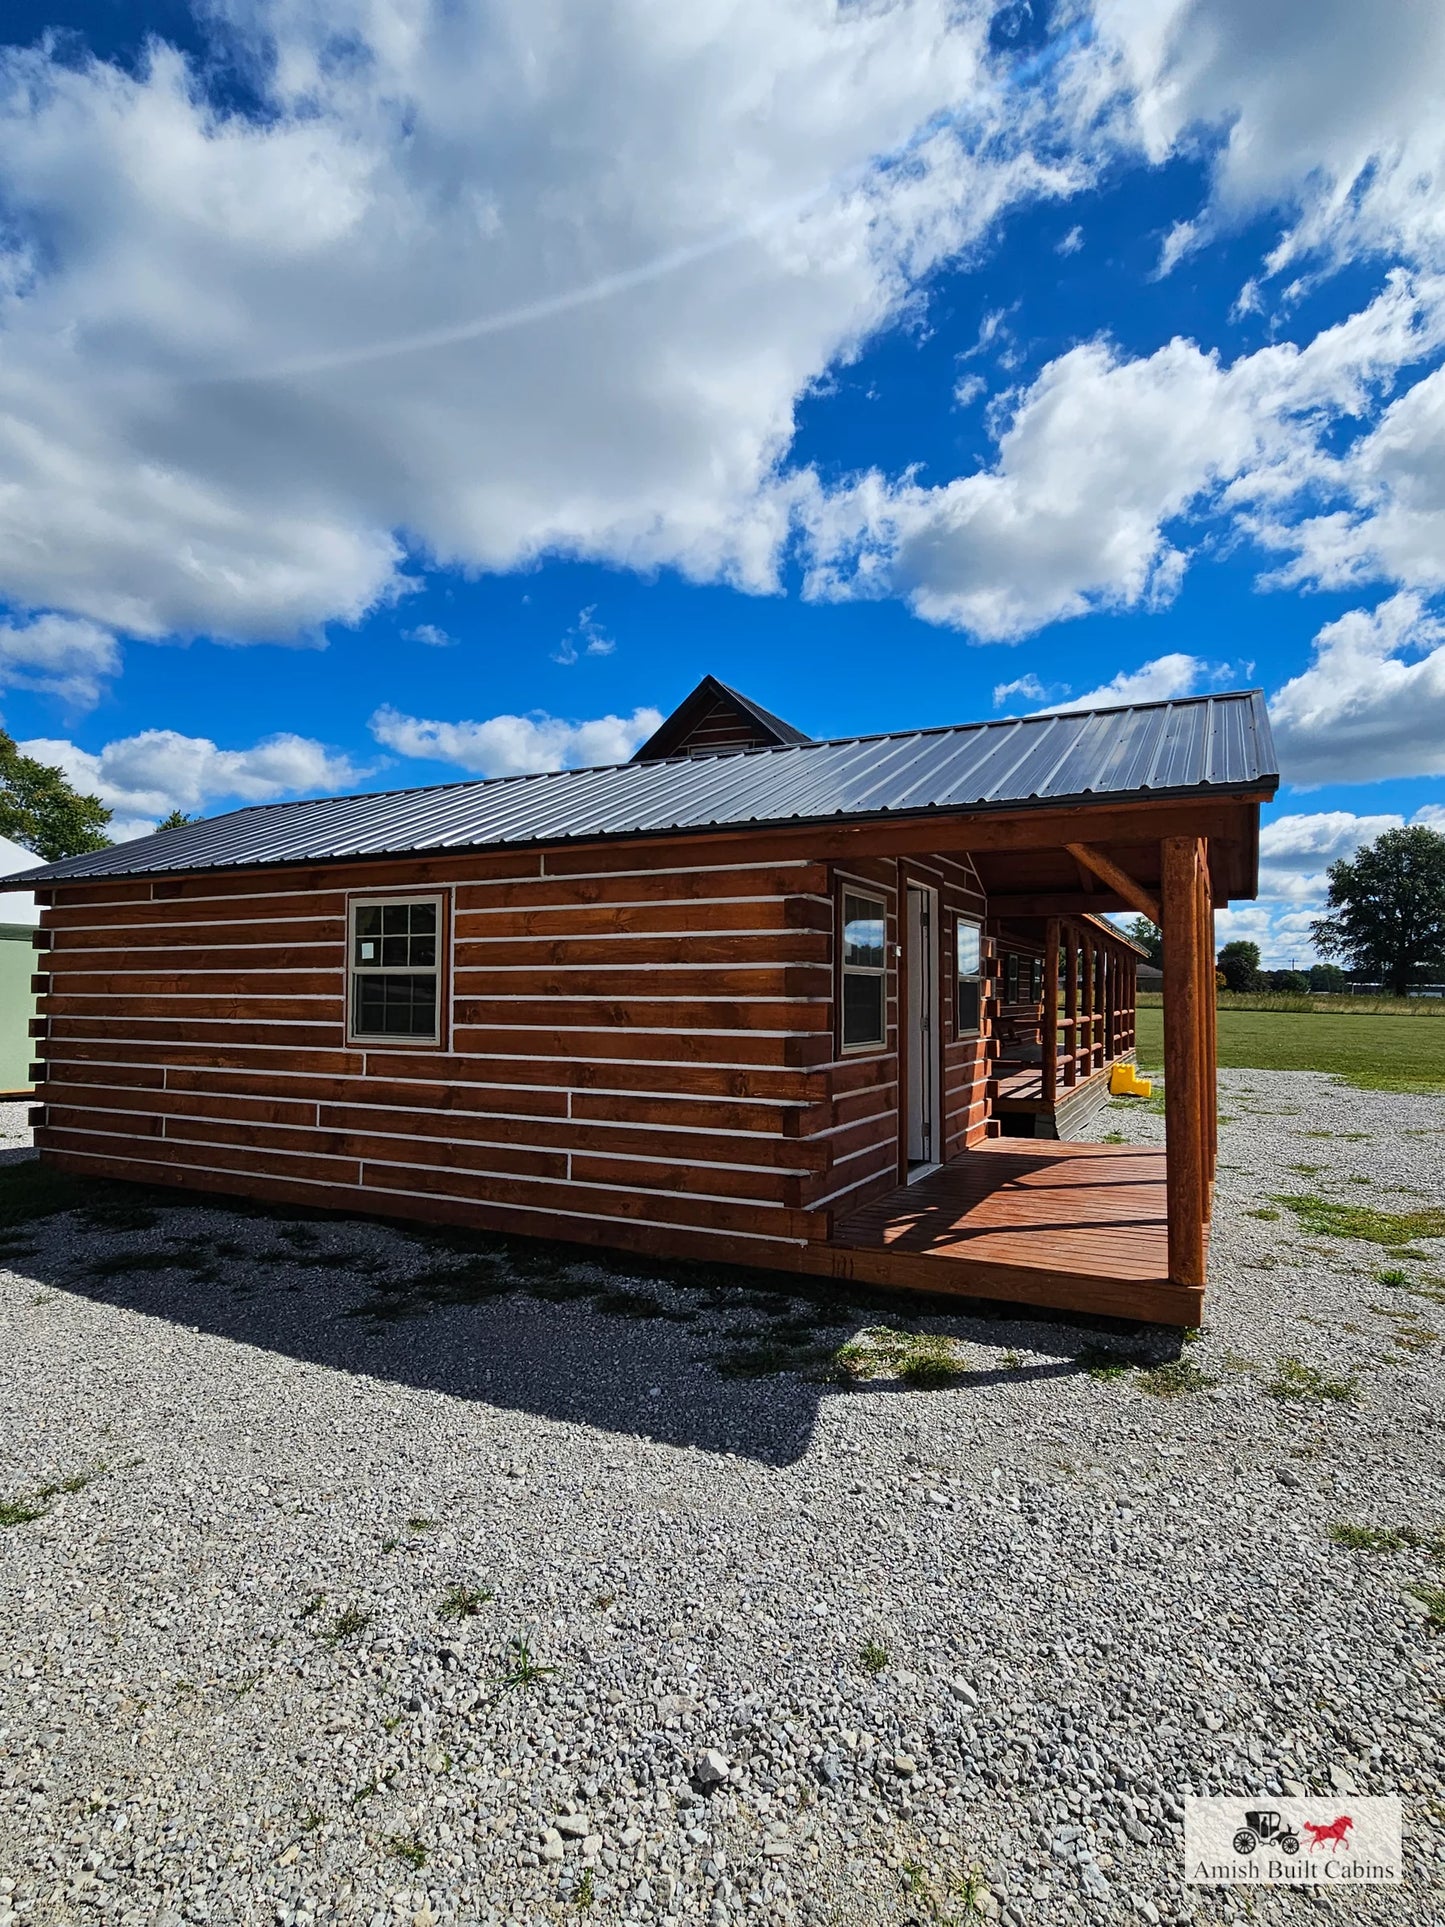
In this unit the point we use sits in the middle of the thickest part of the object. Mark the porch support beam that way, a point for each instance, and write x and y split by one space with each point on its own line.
1050 1066
1187 1180
1119 881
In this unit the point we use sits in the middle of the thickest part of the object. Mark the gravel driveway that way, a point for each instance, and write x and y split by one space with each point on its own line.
358 1576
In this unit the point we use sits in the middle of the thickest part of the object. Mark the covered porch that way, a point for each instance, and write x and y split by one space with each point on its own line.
1118 1230
1051 1071
1075 1226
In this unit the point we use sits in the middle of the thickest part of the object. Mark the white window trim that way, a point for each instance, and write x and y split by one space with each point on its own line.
866 894
395 1040
979 977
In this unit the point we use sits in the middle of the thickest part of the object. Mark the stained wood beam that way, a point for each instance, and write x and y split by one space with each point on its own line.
1187 1179
1118 880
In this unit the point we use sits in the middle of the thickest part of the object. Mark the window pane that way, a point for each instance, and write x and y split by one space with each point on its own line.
423 919
396 918
397 1006
1011 979
864 931
368 950
423 952
968 1005
368 921
970 949
862 1010
394 952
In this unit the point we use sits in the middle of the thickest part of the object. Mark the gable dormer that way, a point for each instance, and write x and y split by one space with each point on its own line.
713 720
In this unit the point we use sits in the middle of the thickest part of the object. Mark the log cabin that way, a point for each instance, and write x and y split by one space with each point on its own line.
825 1007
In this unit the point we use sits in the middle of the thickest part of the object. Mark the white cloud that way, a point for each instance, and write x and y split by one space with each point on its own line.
1371 704
429 634
1392 482
149 775
1029 688
586 637
967 390
1294 854
1295 851
1071 242
498 282
1099 456
516 745
1152 682
1329 114
58 656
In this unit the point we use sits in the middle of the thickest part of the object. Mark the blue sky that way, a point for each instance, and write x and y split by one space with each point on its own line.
445 389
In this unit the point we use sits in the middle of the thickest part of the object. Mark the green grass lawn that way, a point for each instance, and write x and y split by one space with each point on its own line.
1375 1053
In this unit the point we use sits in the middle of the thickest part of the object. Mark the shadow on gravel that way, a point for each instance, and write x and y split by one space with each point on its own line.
711 1357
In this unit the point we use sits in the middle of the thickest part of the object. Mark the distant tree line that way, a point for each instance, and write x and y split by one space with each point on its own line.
1385 919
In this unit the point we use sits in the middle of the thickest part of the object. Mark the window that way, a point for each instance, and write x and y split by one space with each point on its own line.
1011 977
395 969
864 972
1036 980
968 977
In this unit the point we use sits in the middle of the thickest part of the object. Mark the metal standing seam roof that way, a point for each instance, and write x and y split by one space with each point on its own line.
1194 746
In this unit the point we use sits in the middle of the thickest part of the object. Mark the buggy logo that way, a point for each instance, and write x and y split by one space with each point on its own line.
1298 1843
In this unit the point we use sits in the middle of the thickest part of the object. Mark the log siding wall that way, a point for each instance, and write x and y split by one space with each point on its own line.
639 1046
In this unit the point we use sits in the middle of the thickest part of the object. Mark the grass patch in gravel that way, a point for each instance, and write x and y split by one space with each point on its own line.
1433 1599
926 1360
19 1512
465 1602
521 1667
765 1357
1387 1539
1100 1362
1295 1383
1177 1379
408 1849
1395 1230
350 1621
34 1505
873 1658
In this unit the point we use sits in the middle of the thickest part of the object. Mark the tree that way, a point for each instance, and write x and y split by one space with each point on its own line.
1240 963
1150 938
1387 906
39 808
176 820
1295 982
1327 977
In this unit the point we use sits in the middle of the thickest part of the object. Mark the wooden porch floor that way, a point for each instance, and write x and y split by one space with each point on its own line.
1079 1227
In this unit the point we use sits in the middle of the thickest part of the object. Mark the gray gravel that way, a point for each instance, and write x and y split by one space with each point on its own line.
230 1692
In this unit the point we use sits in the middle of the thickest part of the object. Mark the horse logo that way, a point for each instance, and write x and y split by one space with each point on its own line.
1333 1835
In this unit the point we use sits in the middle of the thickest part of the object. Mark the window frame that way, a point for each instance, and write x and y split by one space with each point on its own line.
358 900
961 1031
1012 976
871 893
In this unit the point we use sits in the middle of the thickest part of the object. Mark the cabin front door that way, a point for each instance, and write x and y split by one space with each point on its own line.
921 1030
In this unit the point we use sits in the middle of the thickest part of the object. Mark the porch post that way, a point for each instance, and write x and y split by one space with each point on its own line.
1208 1086
1049 1042
1106 993
1071 1005
1184 1018
1090 1000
